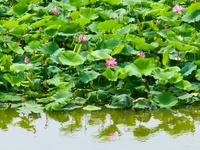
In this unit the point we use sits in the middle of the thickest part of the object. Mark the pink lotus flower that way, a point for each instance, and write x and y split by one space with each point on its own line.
19 43
111 62
82 38
166 26
141 54
177 8
55 11
26 60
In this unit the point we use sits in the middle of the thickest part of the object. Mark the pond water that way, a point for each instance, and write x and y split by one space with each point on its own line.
101 130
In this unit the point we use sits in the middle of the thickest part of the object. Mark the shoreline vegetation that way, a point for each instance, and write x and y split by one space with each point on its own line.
67 54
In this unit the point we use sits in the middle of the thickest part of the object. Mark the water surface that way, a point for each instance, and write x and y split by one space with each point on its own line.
106 129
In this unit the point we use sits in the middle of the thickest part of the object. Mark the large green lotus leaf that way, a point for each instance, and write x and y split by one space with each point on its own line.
146 46
87 76
26 17
180 46
125 100
118 49
165 74
188 68
122 74
29 1
136 40
183 84
52 27
40 23
109 25
70 29
89 13
16 67
30 107
70 106
165 57
101 54
62 95
193 17
193 7
167 33
127 29
49 48
93 27
15 48
6 38
166 100
129 50
10 24
70 58
132 2
141 66
13 80
110 74
198 75
107 14
19 31
113 2
82 21
112 43
20 8
91 108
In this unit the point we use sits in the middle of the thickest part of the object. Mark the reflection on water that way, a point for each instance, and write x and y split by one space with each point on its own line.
80 129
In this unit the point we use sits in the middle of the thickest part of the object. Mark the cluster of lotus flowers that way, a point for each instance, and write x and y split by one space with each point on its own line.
110 62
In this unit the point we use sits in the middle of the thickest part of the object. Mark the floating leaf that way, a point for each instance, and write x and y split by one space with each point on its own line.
91 108
116 106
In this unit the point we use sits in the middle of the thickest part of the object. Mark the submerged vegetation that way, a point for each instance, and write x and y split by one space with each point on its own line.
67 54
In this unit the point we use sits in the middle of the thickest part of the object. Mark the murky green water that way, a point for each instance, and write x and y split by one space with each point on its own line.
102 130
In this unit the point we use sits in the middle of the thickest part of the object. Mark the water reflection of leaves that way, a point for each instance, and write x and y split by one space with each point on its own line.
6 118
111 124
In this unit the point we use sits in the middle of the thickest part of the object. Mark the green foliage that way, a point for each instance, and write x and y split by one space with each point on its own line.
62 59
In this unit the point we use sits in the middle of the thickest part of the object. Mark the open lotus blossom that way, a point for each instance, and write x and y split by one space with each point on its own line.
180 38
82 38
141 54
177 8
111 62
55 11
26 60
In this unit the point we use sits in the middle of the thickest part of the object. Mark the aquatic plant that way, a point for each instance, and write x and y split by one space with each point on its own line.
67 54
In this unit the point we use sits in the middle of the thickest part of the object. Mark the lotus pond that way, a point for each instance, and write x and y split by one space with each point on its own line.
105 129
67 54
